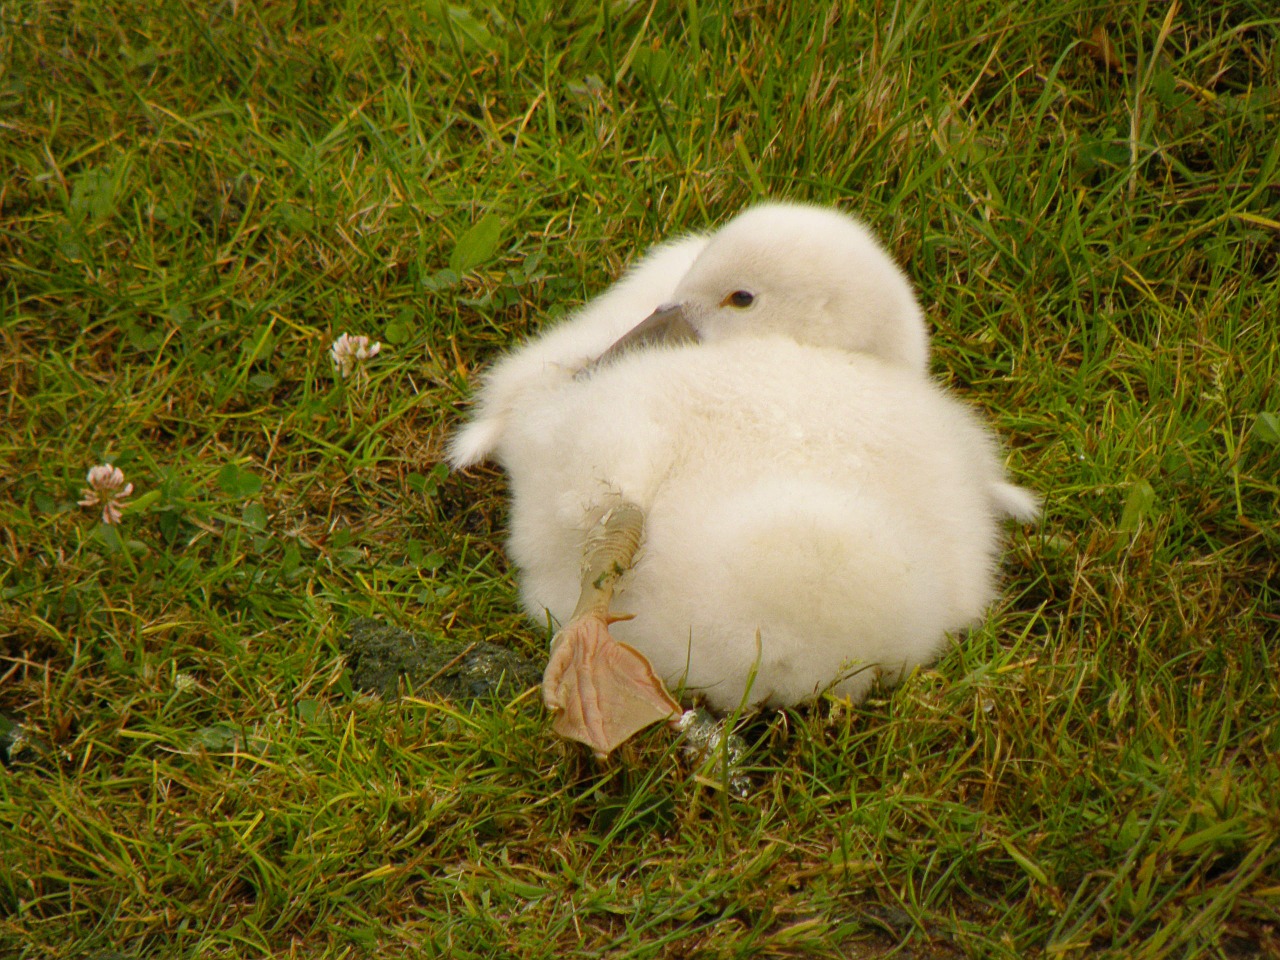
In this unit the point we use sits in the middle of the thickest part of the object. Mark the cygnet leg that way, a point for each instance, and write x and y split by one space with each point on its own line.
601 690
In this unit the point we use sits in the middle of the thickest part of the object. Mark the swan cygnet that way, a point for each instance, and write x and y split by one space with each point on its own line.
752 496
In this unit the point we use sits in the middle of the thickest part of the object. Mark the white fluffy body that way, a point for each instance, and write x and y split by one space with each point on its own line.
817 511
556 355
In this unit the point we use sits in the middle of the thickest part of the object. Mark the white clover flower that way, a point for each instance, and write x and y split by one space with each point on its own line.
106 487
349 352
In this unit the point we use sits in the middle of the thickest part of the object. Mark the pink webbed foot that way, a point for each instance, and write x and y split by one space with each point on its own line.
601 690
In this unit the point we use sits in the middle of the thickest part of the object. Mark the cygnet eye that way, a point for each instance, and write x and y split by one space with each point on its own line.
739 298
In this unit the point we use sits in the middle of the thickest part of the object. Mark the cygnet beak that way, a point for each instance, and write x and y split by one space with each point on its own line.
666 325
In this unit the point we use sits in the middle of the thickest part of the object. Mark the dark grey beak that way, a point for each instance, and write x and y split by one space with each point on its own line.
665 326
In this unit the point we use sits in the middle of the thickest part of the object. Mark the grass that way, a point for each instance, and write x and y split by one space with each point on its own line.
197 199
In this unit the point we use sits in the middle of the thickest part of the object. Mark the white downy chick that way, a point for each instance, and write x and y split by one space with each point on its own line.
816 511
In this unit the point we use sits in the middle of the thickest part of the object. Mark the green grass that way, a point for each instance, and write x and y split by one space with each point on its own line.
197 199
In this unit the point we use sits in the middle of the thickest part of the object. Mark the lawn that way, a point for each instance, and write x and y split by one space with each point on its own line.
198 199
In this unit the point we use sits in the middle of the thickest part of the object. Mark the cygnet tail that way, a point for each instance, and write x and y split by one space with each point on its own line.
1015 502
475 442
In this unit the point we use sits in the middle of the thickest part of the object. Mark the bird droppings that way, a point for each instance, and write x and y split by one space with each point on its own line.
387 660
708 744
19 745
13 740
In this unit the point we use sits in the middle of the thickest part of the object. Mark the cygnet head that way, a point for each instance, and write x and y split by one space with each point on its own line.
810 274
